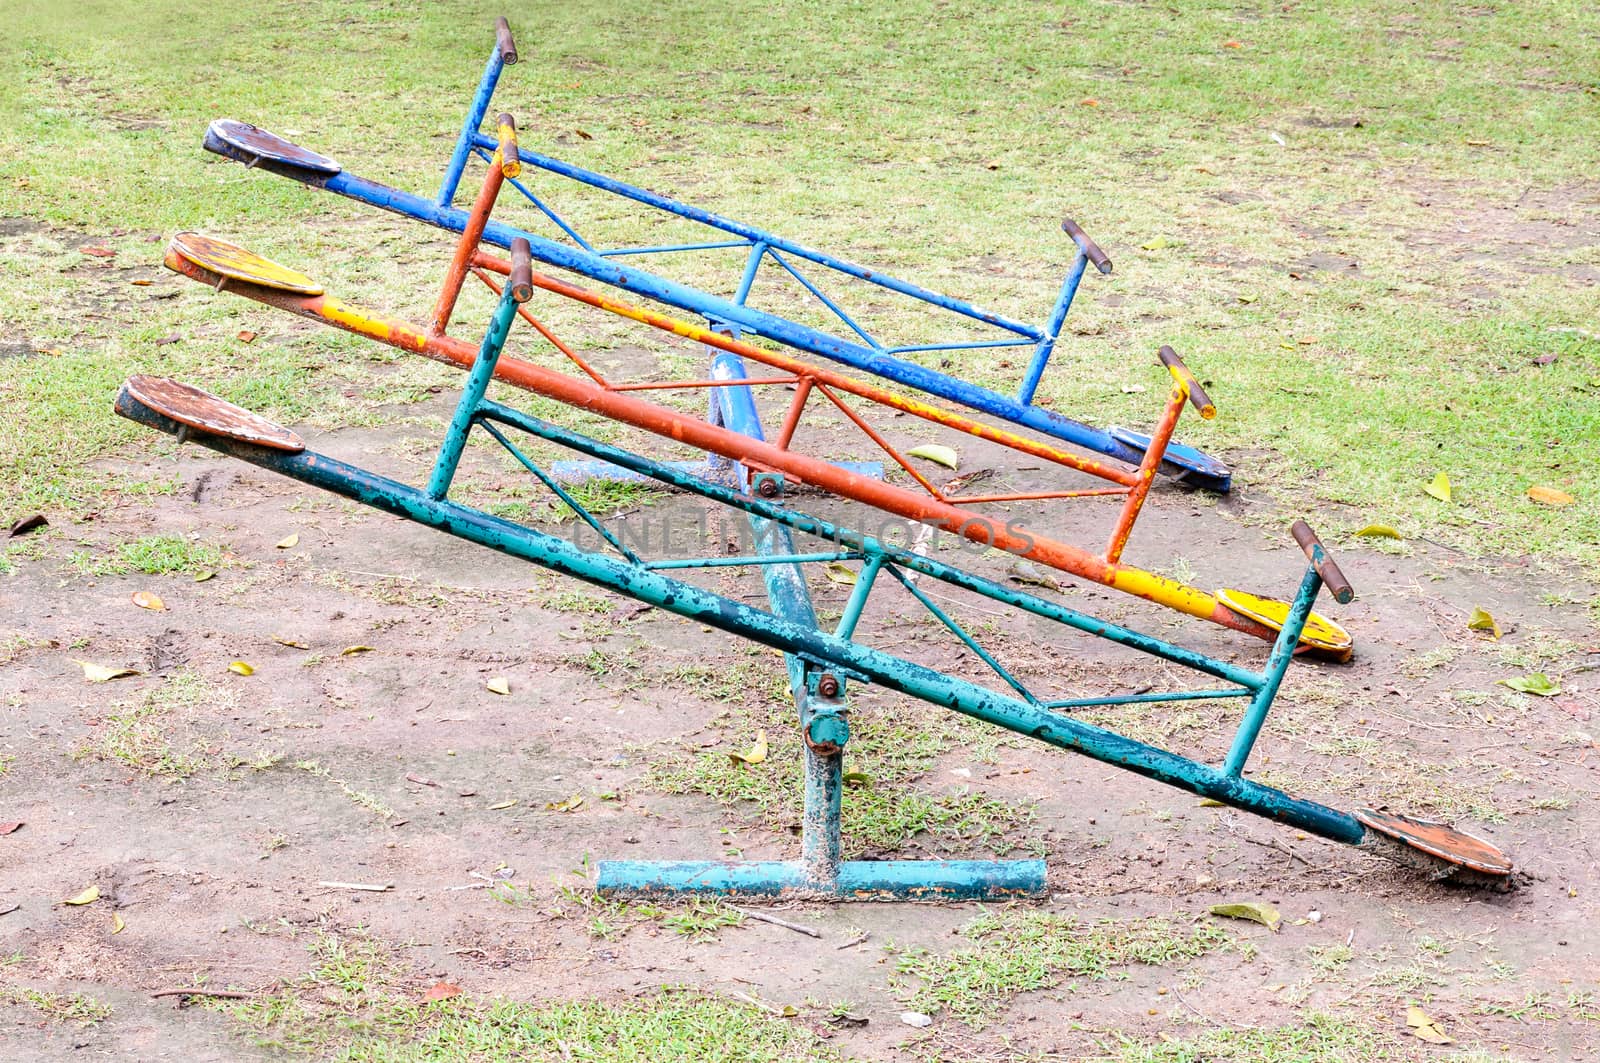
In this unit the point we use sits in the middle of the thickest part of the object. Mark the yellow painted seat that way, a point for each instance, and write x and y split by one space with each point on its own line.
1320 634
235 263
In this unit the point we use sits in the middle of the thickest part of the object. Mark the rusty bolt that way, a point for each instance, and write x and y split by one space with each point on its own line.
767 487
828 685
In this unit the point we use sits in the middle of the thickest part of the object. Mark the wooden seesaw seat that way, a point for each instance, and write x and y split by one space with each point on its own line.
204 412
232 262
253 146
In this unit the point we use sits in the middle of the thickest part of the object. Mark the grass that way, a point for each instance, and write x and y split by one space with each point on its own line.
1017 950
1320 1039
888 807
75 1008
358 1004
156 736
151 555
1238 145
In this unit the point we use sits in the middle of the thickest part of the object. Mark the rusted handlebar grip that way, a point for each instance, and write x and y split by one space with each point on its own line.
1197 394
521 282
510 161
1090 248
1332 578
503 41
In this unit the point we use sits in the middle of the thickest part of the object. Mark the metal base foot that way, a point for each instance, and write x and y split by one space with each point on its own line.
858 880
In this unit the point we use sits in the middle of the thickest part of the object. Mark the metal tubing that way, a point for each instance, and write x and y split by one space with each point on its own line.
858 880
744 621
455 436
816 526
1277 664
628 278
582 472
587 395
1052 329
469 128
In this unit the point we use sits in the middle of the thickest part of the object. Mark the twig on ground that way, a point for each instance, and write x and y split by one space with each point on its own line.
858 939
222 994
775 921
365 887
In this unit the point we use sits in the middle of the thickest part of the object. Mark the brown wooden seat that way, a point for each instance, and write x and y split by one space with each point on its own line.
1438 840
206 413
258 145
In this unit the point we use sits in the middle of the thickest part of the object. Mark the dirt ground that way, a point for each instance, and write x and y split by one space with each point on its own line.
392 767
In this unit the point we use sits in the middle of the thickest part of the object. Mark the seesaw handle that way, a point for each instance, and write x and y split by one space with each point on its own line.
510 161
1091 249
520 284
1181 373
1323 562
503 42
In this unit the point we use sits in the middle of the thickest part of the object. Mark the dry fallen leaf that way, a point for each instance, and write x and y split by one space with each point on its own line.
1425 1027
351 651
937 453
499 685
1021 571
241 668
99 673
117 925
98 252
1483 621
12 827
1378 531
246 336
1550 496
203 575
1257 911
839 572
148 600
1439 487
284 640
497 806
289 543
88 896
756 753
441 991
569 805
28 524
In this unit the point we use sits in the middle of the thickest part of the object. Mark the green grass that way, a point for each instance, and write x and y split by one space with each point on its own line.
1438 149
156 736
889 804
357 1004
1320 1039
152 555
75 1008
1016 950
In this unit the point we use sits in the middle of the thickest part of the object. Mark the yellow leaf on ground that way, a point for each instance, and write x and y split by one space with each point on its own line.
284 640
839 572
1378 531
756 753
1483 621
203 575
1550 496
569 805
351 651
1256 911
497 806
1426 1028
289 543
117 925
499 685
99 673
148 600
937 453
88 896
1439 487
241 668
1155 245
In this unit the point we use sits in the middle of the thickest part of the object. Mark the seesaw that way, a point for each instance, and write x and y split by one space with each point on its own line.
821 661
858 348
969 515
